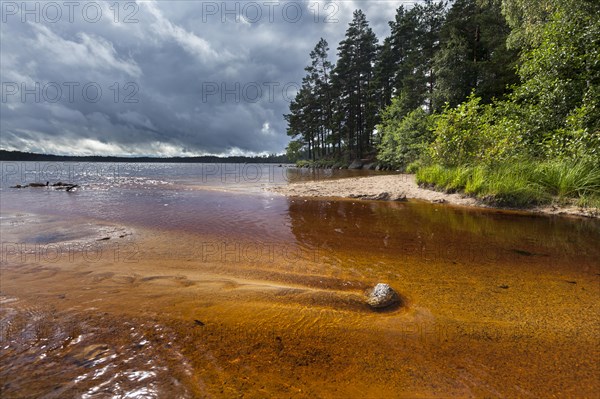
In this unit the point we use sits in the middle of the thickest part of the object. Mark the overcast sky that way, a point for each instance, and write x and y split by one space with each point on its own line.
161 78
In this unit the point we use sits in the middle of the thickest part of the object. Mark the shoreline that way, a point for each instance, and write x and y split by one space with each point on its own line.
403 187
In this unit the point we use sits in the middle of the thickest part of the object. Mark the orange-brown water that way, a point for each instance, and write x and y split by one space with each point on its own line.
253 295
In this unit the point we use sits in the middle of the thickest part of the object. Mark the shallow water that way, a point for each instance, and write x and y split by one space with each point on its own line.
192 281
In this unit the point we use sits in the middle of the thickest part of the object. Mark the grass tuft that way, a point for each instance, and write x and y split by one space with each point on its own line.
520 184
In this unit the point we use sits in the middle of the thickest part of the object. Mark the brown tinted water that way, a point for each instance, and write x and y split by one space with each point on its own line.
205 293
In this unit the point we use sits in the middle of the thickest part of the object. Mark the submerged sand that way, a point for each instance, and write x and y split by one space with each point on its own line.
158 320
403 187
274 305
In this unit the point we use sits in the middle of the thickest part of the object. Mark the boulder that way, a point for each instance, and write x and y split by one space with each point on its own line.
382 296
357 164
369 166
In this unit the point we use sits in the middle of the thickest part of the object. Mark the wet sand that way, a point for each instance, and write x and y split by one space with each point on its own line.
151 312
402 187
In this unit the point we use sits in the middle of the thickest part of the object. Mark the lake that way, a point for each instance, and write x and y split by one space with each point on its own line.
193 280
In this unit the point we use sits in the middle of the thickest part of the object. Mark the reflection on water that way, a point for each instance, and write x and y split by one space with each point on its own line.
104 176
191 281
403 231
200 197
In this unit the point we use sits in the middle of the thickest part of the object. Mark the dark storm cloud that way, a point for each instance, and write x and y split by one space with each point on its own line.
158 77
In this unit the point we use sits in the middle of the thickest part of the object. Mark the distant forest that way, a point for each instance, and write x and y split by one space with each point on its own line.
27 156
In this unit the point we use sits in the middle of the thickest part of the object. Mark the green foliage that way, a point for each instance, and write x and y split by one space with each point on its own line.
513 184
434 175
447 179
324 163
461 134
524 18
505 110
573 179
473 54
294 150
589 202
581 141
455 71
522 183
415 39
304 163
403 140
560 74
553 114
413 167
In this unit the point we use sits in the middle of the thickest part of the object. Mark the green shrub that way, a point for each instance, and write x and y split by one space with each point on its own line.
304 164
459 134
414 167
403 138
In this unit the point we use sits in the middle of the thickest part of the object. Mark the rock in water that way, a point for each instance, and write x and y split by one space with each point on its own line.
382 296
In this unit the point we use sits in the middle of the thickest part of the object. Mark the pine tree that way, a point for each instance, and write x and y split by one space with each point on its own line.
319 76
415 38
310 114
384 74
353 80
300 121
403 40
473 55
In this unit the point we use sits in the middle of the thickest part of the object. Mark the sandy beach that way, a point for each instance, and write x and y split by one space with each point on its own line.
403 187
